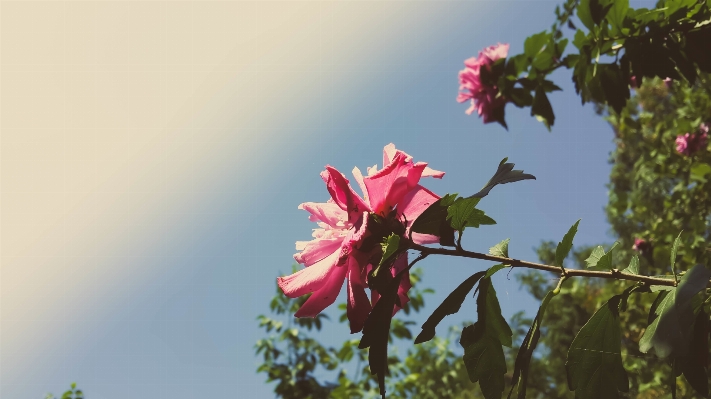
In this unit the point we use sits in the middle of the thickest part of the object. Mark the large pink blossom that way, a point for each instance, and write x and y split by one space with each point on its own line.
483 97
337 252
689 144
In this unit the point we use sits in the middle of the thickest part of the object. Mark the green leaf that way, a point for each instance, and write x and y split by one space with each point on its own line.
671 315
675 248
484 360
482 342
493 269
563 248
598 10
534 43
599 260
376 332
616 16
479 218
614 86
693 365
434 221
450 305
459 212
542 109
633 268
699 171
489 311
504 174
500 249
525 352
584 14
594 364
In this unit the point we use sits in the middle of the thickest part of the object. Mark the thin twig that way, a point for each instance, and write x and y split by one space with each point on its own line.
614 274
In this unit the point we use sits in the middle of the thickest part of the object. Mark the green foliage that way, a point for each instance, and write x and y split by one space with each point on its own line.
594 362
71 393
450 305
672 319
615 43
483 341
500 249
525 352
564 247
601 260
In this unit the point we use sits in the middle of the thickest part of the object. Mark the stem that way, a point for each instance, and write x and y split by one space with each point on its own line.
614 274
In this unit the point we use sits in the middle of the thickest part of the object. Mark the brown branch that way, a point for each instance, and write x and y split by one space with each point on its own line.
614 274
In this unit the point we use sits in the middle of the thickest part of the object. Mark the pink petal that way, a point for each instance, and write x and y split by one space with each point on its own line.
429 172
387 187
359 179
309 279
414 203
325 296
327 212
343 194
317 249
355 236
358 306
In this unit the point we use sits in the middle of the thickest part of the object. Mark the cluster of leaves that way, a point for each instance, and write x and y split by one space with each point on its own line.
72 393
614 44
302 367
654 193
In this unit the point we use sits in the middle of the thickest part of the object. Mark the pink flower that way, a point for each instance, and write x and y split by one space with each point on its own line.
483 98
639 244
338 251
633 82
668 82
689 144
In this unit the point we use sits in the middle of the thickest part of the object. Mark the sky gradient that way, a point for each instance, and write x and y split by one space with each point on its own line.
154 155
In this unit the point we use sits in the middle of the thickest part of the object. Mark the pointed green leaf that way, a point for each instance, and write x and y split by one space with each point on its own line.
594 364
489 311
671 315
504 174
563 248
450 305
584 14
542 109
494 269
694 365
500 249
525 352
534 43
599 260
633 268
461 210
675 248
482 342
376 332
484 360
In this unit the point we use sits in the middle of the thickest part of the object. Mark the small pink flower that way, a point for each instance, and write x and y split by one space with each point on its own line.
689 144
668 82
639 244
337 252
633 82
483 98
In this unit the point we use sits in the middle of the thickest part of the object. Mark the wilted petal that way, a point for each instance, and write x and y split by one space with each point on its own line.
309 279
